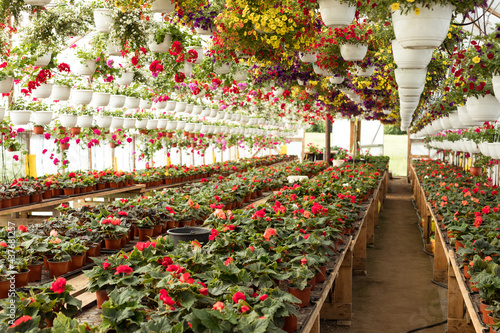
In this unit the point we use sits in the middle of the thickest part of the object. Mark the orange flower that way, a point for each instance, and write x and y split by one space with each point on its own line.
464 203
268 233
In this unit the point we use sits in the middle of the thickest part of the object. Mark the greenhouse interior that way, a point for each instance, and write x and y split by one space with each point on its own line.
212 166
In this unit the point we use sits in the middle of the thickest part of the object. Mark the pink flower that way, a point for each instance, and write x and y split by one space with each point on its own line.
123 269
44 151
59 285
53 233
105 265
218 306
129 140
204 291
3 244
15 157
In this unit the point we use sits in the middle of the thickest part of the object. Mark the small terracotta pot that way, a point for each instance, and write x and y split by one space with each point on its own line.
101 296
69 191
21 278
157 230
145 233
35 273
321 275
113 244
58 268
75 130
290 324
4 288
91 252
38 130
76 262
475 171
303 295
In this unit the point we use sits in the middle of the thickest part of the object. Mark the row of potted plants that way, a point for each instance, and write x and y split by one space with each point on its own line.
467 209
23 191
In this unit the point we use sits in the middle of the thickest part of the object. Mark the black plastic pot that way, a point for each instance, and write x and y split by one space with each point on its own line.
188 234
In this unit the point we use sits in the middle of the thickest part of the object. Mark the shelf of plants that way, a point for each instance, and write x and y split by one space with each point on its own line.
464 209
109 183
238 278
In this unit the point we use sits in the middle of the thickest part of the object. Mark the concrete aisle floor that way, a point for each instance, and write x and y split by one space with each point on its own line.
397 294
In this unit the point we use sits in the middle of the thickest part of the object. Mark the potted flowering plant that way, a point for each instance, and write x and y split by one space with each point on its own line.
353 40
113 231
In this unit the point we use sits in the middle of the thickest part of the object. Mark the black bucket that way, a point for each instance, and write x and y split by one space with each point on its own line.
188 234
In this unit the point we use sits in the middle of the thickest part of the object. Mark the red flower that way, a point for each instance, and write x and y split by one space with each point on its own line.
122 213
237 296
263 297
123 269
175 48
204 291
3 244
218 306
165 298
105 265
213 234
268 233
166 261
180 77
21 320
251 248
59 285
228 261
22 228
186 278
63 67
244 308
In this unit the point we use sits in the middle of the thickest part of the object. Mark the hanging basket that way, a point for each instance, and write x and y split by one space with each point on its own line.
116 101
145 104
170 106
43 60
161 47
152 124
308 57
496 86
125 79
132 102
42 117
60 93
140 124
100 99
427 30
129 122
103 121
6 85
68 120
83 97
88 67
103 20
20 117
2 113
336 14
222 69
85 121
353 52
484 108
42 91
410 58
410 78
163 6
117 122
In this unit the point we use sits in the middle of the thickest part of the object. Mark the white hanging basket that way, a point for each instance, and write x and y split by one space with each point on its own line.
199 50
410 91
163 6
336 14
189 108
129 122
145 104
204 32
484 108
171 125
197 127
427 30
205 112
87 68
68 120
100 99
464 117
170 105
162 123
188 68
197 109
308 57
496 86
222 69
42 117
117 122
116 101
125 79
140 124
2 113
180 107
43 60
336 79
42 91
180 125
241 75
152 124
113 49
60 93
365 72
85 121
160 105
189 127
37 2
103 20
20 117
162 47
6 85
83 97
387 111
132 102
353 52
103 121
410 78
410 58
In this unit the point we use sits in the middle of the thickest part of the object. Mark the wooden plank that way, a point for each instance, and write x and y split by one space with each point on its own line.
359 253
370 231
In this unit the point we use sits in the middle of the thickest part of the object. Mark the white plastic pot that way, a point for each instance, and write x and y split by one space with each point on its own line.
60 93
42 91
152 124
85 121
103 121
427 30
129 122
145 104
83 97
241 75
410 78
125 79
353 52
132 102
103 20
222 69
189 127
113 49
170 105
308 57
116 101
42 117
2 113
117 122
199 50
37 2
162 123
410 58
163 6
180 107
6 85
171 125
204 32
162 47
43 60
100 99
336 79
87 68
180 125
68 120
20 117
141 123
484 108
336 14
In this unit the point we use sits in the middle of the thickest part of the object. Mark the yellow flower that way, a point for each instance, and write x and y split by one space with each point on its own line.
395 6
449 35
476 60
417 11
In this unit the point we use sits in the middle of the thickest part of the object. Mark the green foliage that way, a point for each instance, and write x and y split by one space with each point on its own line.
393 130
317 128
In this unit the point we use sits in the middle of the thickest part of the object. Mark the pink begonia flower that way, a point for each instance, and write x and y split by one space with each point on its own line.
20 130
15 157
65 162
129 140
44 151
47 136
77 141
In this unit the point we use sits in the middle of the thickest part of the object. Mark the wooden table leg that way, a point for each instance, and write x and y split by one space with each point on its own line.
456 321
440 262
370 223
359 255
339 306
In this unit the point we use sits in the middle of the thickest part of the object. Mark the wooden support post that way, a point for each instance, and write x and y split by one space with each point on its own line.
328 124
427 232
359 255
370 221
339 306
440 261
456 321
316 326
